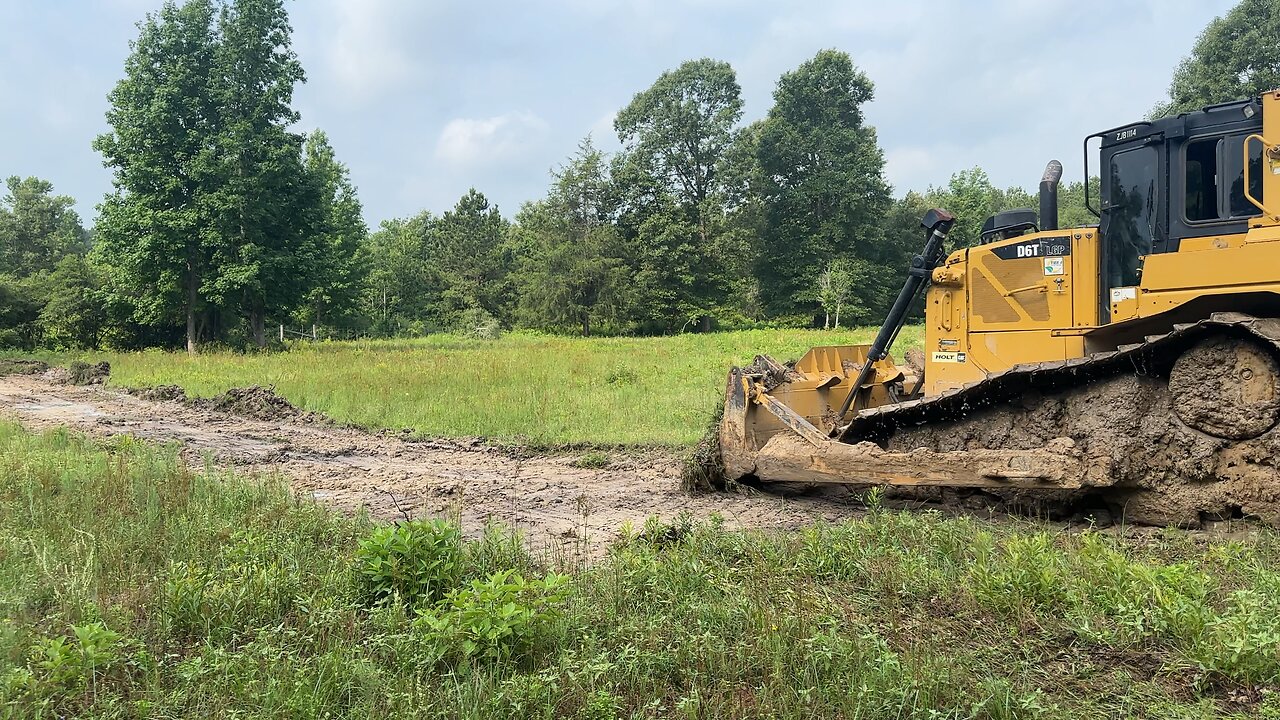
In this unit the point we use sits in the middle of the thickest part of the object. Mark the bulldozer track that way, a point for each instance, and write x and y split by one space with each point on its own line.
1152 357
1119 412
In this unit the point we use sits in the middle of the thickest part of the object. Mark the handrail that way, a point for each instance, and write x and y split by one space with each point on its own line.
1248 195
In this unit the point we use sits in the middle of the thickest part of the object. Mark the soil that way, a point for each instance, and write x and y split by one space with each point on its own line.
16 366
255 402
1161 471
554 503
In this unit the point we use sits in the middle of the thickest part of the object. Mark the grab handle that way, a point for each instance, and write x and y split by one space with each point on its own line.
1269 152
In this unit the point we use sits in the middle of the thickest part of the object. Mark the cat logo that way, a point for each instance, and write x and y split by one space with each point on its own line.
948 357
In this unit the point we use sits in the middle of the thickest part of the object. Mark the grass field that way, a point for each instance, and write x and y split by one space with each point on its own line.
535 389
131 587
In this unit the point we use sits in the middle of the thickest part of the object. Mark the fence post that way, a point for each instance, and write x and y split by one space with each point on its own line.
281 333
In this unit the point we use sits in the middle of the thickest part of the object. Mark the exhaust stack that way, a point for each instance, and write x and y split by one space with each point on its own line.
1049 195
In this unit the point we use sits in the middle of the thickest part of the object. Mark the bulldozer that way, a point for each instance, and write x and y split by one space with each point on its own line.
1134 362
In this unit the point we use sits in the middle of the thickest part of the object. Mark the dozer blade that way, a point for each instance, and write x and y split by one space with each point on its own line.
768 397
778 424
790 458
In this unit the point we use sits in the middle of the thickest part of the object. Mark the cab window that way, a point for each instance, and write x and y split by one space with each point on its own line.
1238 204
1213 179
1201 165
1130 214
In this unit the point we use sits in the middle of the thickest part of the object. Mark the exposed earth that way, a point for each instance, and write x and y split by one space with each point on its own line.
557 501
554 503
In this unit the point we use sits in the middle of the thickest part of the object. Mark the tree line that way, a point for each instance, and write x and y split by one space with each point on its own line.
224 221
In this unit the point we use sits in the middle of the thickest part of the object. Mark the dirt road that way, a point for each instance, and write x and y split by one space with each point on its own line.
547 498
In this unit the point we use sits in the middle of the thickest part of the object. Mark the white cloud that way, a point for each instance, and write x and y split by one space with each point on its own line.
472 142
603 134
366 49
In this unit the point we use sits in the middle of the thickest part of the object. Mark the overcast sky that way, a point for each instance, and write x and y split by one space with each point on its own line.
423 100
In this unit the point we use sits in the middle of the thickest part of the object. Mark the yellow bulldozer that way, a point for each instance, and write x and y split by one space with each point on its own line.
1134 362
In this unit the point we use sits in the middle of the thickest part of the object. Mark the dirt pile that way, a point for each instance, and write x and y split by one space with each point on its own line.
259 403
77 373
160 393
19 366
83 373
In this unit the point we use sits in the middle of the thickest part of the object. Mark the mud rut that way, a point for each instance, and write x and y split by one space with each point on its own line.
553 503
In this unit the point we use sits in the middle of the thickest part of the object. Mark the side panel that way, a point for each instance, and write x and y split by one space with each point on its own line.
946 336
1020 300
1204 269
998 351
1086 277
1021 285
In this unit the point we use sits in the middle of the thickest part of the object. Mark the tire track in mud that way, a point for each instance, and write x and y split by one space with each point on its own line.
555 504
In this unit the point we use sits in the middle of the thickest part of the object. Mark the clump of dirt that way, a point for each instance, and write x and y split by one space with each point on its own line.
161 393
771 372
915 361
83 373
19 366
260 403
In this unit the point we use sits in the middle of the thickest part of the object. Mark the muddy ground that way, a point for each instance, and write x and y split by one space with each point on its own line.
552 502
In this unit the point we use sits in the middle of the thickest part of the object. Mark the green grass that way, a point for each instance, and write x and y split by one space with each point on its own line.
535 389
132 587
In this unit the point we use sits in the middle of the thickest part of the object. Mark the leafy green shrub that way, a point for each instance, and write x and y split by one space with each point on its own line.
494 619
1138 599
247 586
621 375
525 697
1244 643
1025 572
418 561
478 323
95 647
603 705
61 665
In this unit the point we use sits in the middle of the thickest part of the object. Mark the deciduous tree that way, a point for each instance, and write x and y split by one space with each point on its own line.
74 315
574 272
154 230
340 269
266 207
37 228
1236 56
675 135
824 192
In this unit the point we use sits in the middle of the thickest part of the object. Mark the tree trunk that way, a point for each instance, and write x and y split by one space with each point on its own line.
826 320
191 328
586 325
191 308
257 324
837 316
